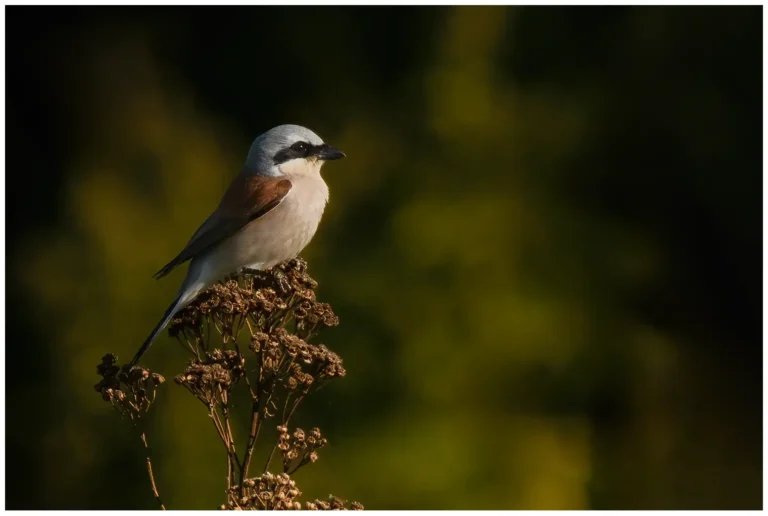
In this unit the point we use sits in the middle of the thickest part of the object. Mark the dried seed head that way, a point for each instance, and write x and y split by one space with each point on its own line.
279 309
130 389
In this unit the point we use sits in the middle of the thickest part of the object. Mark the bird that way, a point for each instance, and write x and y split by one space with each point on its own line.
269 213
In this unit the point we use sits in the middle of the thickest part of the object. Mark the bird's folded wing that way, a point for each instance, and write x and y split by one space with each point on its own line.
247 199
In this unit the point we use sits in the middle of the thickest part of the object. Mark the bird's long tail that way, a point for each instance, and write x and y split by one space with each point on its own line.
169 313
180 302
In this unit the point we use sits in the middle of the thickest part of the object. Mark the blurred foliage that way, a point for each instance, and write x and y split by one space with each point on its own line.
544 246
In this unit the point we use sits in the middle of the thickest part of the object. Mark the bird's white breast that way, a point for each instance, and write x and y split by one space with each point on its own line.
277 236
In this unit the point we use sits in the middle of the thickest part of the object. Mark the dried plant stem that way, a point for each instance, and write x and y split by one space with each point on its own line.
224 434
280 313
286 420
269 459
149 471
253 434
231 452
229 471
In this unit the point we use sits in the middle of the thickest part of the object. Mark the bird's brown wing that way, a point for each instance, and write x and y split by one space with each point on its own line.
247 199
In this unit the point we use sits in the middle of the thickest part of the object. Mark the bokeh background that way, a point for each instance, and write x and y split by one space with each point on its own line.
544 246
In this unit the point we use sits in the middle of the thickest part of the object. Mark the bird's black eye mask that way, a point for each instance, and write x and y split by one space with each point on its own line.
297 150
306 150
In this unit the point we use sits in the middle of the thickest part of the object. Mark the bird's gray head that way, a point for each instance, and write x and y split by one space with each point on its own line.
279 149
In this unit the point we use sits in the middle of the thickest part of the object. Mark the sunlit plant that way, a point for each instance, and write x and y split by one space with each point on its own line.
277 312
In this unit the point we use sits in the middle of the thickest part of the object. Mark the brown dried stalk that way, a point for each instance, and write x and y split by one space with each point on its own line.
131 391
276 313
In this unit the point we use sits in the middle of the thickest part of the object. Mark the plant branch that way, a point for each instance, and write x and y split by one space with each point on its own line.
252 436
231 452
149 471
223 434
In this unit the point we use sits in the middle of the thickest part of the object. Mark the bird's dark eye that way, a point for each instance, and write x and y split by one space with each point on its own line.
295 151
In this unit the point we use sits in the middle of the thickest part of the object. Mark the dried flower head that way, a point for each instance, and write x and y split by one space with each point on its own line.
293 363
267 492
299 449
279 492
280 297
211 378
130 390
278 311
333 504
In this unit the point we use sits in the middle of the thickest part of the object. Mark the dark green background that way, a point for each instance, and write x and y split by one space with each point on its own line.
544 246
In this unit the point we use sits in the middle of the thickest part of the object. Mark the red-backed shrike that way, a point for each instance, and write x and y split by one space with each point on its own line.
268 214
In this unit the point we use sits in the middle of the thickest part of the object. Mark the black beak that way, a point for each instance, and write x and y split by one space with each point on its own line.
326 153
